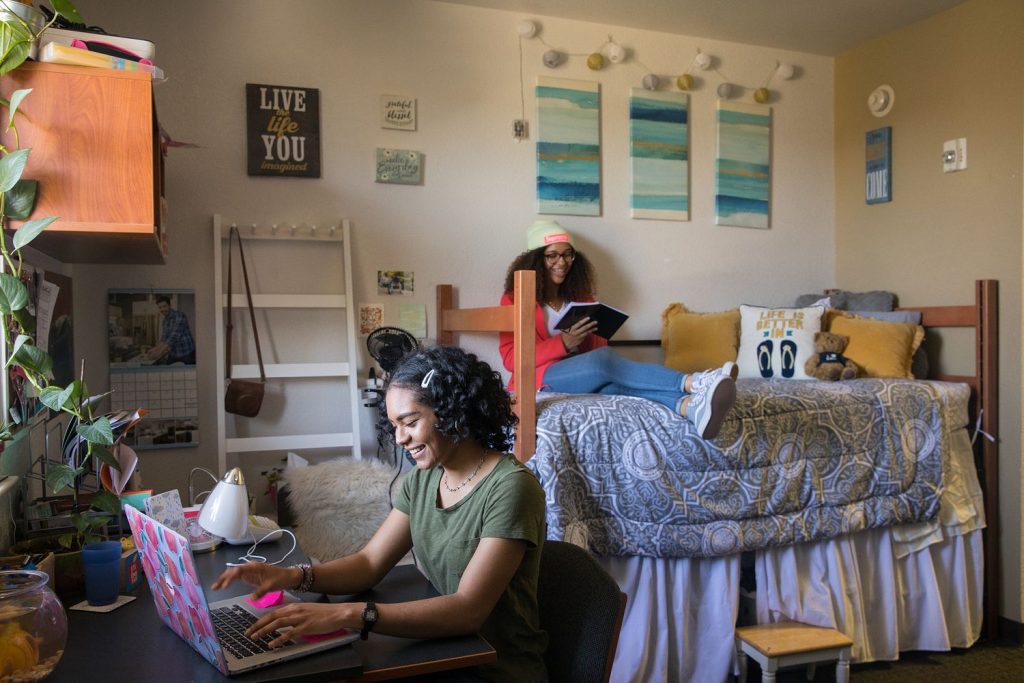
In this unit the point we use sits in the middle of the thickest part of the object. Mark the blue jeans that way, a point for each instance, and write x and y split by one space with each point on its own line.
602 371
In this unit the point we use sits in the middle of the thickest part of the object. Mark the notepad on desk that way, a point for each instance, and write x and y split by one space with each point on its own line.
609 319
63 54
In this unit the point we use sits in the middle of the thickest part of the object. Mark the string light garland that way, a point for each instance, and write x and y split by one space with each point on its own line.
611 52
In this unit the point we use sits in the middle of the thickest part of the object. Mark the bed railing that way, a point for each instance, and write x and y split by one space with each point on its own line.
518 319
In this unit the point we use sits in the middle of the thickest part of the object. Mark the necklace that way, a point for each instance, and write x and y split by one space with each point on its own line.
467 479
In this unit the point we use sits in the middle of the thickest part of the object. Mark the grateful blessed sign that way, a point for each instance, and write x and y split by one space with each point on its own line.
283 130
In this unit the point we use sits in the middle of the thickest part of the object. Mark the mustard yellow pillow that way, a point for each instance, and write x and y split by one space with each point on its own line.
698 341
881 349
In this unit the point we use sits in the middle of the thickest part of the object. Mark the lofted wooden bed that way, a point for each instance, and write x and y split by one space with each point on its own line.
982 316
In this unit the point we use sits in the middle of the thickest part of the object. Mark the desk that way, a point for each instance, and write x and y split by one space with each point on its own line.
132 644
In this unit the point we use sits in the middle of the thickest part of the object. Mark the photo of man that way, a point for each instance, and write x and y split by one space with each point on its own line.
176 344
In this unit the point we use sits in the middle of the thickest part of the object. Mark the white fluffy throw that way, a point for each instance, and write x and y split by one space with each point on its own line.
338 505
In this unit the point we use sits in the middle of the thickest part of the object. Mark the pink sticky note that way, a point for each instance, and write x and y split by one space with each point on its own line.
269 600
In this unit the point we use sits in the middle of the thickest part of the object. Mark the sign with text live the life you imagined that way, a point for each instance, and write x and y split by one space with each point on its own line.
283 130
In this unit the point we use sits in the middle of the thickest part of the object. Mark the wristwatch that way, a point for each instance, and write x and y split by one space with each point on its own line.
370 615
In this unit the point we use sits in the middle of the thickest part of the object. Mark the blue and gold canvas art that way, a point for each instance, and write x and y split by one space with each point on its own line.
659 154
568 147
743 167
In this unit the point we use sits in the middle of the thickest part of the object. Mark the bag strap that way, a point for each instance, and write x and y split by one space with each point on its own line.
252 313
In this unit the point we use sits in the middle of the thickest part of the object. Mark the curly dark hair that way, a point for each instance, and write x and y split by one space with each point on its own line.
466 394
579 284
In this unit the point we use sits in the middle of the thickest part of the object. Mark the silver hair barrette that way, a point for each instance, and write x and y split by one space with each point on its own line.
426 379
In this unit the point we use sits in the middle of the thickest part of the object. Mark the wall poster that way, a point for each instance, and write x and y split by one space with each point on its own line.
743 172
568 147
659 151
153 364
282 130
878 165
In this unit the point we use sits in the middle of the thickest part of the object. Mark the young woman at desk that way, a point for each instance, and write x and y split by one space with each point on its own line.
474 515
577 361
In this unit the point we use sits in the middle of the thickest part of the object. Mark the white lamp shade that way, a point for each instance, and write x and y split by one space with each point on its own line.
226 511
703 61
651 82
784 71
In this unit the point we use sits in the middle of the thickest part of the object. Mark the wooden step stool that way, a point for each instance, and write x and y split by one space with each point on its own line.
788 643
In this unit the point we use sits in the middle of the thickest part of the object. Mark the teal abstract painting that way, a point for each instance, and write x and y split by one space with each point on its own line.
659 154
568 147
743 168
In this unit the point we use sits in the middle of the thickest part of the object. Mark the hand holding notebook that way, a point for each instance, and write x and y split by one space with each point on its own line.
608 319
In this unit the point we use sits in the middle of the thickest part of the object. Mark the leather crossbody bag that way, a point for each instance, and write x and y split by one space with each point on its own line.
243 396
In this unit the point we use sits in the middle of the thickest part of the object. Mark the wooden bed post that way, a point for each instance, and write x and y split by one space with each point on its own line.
525 351
987 345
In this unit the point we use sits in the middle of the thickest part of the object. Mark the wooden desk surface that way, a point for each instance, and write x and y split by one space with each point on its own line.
131 643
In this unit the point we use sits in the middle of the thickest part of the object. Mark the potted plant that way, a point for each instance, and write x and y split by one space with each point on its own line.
17 198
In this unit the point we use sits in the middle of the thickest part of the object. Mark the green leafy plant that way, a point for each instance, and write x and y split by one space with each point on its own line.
17 198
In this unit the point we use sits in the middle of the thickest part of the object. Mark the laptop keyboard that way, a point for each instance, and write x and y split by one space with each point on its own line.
230 623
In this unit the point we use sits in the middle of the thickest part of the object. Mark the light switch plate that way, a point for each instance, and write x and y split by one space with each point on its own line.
954 155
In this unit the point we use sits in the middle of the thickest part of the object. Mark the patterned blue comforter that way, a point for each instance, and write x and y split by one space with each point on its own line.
795 461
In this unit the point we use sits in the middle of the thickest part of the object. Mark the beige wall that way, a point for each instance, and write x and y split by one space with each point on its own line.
467 221
959 74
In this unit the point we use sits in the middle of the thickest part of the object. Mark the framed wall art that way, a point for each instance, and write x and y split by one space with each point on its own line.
878 165
282 130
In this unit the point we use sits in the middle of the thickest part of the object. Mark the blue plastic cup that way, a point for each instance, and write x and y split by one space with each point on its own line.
102 564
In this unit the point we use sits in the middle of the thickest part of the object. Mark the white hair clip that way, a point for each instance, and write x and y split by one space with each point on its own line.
426 379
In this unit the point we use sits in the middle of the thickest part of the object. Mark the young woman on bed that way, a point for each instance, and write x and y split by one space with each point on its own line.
473 513
577 361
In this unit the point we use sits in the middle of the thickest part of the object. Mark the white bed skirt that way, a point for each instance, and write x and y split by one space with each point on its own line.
681 613
926 600
680 618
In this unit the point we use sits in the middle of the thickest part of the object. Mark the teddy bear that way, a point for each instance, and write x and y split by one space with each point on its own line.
828 361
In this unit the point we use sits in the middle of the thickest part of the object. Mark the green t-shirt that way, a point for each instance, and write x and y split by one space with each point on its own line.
507 503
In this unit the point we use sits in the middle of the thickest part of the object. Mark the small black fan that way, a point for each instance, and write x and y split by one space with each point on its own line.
388 345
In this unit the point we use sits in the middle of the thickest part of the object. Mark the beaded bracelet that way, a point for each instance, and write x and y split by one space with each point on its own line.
305 585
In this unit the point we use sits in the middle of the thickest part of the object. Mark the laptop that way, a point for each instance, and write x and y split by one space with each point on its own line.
216 631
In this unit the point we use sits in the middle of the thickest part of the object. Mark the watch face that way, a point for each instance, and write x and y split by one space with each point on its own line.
370 614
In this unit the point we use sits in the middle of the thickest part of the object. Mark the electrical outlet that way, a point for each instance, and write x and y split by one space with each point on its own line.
520 130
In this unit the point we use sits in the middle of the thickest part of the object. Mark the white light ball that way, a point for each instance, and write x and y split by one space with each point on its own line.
651 82
784 71
725 91
527 28
615 53
552 58
702 61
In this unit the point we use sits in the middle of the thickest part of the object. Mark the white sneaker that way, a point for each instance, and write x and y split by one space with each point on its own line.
707 408
702 380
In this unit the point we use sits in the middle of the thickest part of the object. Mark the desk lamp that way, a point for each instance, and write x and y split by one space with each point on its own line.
225 512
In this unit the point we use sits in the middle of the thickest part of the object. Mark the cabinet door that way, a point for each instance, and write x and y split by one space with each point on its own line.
93 138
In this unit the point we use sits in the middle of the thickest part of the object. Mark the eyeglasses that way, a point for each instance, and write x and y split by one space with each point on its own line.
553 256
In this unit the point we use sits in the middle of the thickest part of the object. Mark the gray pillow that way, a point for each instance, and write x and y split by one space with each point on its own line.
877 300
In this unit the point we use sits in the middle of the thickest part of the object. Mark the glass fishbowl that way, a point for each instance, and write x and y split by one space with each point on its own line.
33 627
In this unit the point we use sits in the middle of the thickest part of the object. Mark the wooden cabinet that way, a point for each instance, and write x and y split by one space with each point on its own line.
96 153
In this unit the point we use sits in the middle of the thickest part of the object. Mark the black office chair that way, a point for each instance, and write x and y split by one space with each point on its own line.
581 608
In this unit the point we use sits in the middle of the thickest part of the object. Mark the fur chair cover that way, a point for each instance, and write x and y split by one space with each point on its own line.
338 505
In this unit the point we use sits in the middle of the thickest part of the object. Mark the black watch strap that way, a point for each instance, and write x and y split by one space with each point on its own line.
370 615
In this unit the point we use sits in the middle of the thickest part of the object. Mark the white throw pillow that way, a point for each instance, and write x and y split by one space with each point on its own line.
776 342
